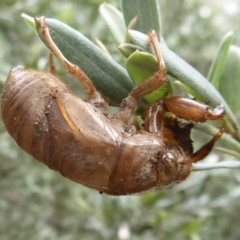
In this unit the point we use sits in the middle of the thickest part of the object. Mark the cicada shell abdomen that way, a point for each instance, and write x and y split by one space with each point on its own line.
30 114
57 128
26 99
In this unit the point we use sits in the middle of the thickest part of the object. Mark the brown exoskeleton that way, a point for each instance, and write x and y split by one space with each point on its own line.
103 152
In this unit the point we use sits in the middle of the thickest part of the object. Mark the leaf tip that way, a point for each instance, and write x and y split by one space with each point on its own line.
29 20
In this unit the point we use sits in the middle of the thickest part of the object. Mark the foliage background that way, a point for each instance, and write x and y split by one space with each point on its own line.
36 203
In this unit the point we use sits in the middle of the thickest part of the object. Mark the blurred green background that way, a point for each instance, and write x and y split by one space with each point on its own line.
37 203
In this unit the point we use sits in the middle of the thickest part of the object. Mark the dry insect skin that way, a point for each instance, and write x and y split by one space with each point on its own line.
103 152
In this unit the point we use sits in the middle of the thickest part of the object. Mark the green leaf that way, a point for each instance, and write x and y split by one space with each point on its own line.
110 78
209 166
220 59
229 82
30 21
189 90
127 49
141 66
185 73
102 47
226 138
147 12
114 21
228 151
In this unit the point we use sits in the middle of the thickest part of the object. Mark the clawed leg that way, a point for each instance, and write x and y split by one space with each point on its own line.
93 95
192 110
129 105
206 149
154 118
158 79
52 66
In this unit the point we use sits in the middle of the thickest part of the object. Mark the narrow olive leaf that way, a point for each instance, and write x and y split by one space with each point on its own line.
229 82
220 59
147 12
132 23
185 73
102 47
141 66
228 151
226 139
29 20
209 166
114 20
189 90
111 79
127 49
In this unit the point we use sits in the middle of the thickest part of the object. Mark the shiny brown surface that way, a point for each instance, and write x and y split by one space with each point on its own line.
189 109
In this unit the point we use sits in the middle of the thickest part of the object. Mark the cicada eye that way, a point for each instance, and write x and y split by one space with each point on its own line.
170 163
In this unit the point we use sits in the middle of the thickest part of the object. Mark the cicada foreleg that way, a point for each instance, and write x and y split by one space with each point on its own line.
129 105
94 96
